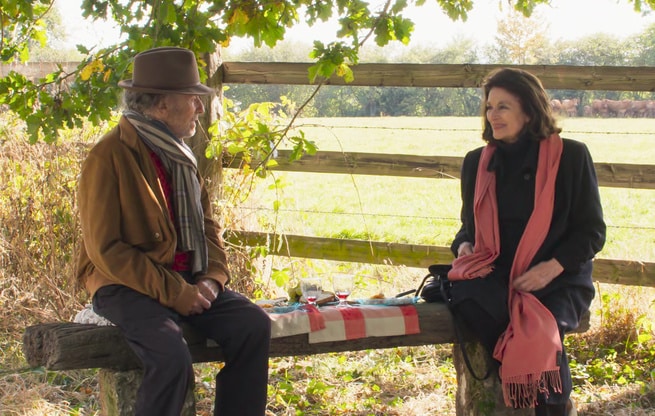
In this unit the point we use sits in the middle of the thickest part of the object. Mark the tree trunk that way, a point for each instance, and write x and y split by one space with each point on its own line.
475 397
210 169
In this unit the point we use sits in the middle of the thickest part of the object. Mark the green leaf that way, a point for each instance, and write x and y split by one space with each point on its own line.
281 277
235 149
403 29
171 14
312 73
346 72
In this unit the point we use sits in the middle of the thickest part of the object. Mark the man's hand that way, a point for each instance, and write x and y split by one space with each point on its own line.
199 305
208 288
538 276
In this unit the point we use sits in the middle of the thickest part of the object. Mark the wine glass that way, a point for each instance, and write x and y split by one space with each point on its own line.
311 289
343 287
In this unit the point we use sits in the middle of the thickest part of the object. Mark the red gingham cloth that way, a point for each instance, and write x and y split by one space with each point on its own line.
300 321
366 321
330 323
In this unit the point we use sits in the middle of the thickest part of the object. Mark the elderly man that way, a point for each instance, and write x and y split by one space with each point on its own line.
152 256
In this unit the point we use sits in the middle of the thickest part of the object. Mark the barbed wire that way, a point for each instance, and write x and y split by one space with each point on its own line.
332 127
424 217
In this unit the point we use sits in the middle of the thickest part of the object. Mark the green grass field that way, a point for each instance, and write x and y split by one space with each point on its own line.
426 211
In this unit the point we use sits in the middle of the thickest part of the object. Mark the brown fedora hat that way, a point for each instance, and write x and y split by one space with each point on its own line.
166 70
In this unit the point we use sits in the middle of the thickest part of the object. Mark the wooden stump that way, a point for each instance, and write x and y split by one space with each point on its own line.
118 393
475 397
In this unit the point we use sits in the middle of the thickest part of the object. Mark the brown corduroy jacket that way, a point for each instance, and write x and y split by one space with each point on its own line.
128 235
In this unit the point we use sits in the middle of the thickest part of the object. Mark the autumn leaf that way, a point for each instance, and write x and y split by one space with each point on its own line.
91 68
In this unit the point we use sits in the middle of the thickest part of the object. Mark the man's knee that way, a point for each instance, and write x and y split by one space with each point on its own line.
166 350
258 321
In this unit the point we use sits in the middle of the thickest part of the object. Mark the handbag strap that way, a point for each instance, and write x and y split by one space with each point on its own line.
425 279
458 332
460 338
416 292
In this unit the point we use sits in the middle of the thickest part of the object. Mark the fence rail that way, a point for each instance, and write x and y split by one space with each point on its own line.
602 78
624 272
617 175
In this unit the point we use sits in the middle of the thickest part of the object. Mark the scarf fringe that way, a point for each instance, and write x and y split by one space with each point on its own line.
521 391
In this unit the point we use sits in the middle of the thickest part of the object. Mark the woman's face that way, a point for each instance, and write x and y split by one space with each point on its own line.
505 115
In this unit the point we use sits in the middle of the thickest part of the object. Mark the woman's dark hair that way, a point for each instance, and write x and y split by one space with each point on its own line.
532 96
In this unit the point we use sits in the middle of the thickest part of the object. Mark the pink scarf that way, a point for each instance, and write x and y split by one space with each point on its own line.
529 348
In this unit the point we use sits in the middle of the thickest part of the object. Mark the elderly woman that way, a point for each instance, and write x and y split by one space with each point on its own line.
532 222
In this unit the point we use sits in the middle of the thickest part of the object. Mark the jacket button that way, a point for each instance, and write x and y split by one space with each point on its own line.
157 236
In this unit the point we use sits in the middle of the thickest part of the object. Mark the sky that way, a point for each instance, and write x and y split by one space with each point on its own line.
567 20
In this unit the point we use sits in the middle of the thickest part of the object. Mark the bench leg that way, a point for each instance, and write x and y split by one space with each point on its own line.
480 398
118 393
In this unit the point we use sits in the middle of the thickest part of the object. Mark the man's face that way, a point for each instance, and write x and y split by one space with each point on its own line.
180 113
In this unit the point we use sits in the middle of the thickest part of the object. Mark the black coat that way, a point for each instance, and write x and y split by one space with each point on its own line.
577 231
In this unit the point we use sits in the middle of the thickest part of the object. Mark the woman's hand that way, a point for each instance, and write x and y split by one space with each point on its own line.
464 249
538 276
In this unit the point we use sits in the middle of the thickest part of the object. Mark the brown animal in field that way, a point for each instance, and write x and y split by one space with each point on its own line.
570 107
587 111
599 108
618 108
556 105
639 108
650 108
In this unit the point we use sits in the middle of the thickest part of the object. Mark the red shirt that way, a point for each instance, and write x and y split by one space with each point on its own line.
182 258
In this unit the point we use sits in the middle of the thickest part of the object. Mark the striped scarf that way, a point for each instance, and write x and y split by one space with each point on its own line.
178 159
530 348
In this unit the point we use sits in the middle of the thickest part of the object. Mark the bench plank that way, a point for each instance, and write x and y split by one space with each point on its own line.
68 346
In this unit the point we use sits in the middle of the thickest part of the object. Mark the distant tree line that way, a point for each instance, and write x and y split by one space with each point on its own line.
520 41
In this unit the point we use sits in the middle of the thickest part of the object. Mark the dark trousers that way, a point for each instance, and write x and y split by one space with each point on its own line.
487 316
240 327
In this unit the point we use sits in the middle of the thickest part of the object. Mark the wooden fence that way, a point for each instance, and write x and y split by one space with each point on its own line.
621 175
563 77
36 70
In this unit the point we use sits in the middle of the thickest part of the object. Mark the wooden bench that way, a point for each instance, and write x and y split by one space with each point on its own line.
69 346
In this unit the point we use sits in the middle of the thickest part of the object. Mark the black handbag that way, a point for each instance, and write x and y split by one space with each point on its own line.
435 286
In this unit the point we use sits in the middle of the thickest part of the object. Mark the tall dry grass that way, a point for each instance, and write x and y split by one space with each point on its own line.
38 238
39 231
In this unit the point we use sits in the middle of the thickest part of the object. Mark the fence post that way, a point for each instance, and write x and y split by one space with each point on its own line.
210 169
475 397
118 393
